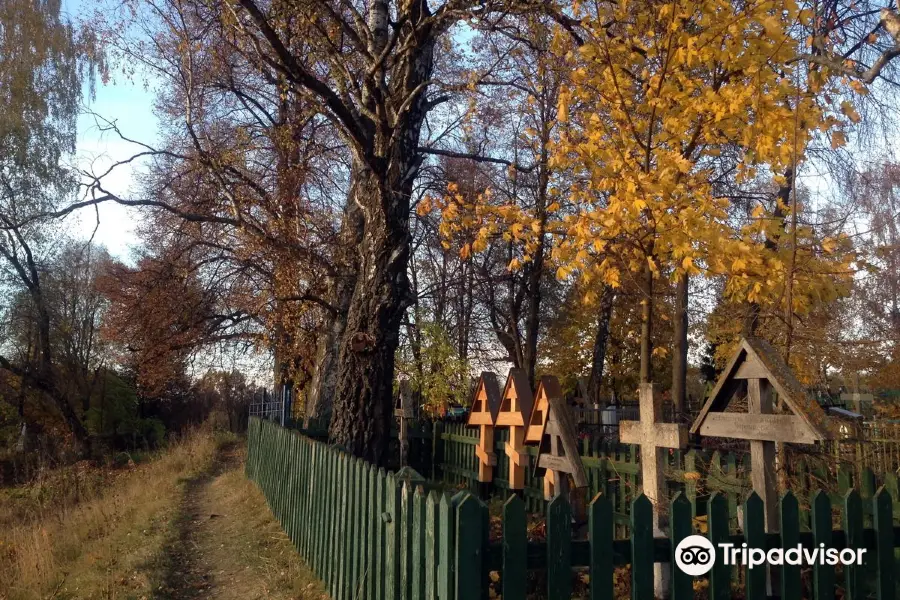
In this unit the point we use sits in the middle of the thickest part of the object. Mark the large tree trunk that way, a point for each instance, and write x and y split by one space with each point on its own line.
536 273
363 407
319 403
533 314
49 378
324 383
598 357
679 360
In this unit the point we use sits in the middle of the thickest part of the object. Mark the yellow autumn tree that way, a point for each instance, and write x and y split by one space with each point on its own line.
666 100
665 103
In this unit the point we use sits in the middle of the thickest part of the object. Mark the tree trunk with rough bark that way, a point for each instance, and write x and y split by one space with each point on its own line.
363 407
363 400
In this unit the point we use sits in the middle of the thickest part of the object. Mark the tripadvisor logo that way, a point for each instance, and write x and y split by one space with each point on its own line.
695 555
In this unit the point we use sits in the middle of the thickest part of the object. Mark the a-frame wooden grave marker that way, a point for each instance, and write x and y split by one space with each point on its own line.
515 410
759 369
558 459
655 439
485 408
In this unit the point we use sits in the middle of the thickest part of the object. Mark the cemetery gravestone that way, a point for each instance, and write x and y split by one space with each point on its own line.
654 438
485 408
759 369
515 411
559 459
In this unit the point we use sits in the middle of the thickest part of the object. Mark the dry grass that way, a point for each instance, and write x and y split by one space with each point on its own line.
243 547
90 546
186 525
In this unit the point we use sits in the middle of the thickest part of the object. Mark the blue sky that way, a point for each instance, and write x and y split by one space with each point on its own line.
128 104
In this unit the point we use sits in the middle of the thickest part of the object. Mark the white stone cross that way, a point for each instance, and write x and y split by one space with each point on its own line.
654 438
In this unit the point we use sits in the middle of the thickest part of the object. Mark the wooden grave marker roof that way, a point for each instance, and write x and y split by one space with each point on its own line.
516 401
541 408
485 400
757 359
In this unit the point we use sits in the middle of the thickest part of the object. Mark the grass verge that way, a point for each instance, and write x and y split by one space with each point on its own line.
185 525
90 548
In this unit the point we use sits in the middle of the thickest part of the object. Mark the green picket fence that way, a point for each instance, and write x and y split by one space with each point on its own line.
614 470
444 451
370 534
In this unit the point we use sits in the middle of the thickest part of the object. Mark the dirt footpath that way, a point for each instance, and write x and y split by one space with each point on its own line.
226 544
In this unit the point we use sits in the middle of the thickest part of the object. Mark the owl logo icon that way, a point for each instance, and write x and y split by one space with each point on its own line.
695 555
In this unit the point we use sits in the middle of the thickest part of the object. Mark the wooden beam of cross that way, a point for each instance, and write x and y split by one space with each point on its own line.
558 457
654 438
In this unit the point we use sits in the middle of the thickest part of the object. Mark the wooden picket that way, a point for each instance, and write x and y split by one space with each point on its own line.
370 534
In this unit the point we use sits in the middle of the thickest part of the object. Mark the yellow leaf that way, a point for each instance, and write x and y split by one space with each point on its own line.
563 109
849 111
838 139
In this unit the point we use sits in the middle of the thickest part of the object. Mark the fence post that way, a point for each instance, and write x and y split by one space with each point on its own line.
823 574
419 558
392 539
446 568
755 520
515 542
559 549
642 526
679 528
373 552
853 532
720 575
883 522
379 551
600 527
790 537
469 551
432 545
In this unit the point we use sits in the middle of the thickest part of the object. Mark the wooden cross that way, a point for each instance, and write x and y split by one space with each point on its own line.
559 458
757 367
404 412
515 410
654 438
760 370
485 407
